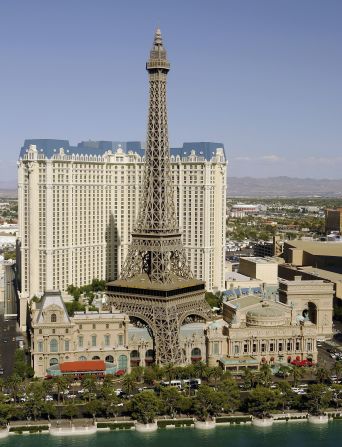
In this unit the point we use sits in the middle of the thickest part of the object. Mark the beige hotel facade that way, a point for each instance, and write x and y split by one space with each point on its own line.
78 204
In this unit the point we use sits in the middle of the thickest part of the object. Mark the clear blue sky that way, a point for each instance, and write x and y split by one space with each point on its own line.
262 76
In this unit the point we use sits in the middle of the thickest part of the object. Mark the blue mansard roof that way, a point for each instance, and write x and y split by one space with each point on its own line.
51 147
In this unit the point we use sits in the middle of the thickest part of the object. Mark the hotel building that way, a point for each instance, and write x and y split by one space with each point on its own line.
78 204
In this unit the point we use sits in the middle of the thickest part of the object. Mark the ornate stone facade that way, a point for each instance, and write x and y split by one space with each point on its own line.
57 338
311 300
256 331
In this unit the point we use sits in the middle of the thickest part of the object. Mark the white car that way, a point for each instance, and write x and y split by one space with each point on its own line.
48 398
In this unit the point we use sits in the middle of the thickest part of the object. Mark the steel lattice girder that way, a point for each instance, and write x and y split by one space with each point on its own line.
156 249
164 318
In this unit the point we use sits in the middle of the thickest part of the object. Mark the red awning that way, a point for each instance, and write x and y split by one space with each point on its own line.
83 366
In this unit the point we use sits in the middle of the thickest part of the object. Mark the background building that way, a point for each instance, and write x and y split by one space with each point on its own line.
8 296
264 269
333 220
77 207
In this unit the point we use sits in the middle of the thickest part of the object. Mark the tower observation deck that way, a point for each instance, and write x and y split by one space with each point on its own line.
157 287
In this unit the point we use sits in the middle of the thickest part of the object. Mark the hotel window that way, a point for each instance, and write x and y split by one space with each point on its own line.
245 348
216 348
309 346
66 345
40 346
289 346
80 341
263 347
107 340
297 345
236 349
93 340
271 347
120 340
53 345
280 347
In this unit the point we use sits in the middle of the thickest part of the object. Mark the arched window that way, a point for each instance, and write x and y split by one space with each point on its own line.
96 357
135 354
82 358
109 359
53 345
135 358
196 352
53 318
149 357
122 364
53 361
312 308
196 355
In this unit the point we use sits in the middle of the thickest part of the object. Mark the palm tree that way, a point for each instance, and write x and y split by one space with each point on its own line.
215 373
61 384
13 382
338 369
265 375
128 384
89 383
322 374
297 374
169 372
201 370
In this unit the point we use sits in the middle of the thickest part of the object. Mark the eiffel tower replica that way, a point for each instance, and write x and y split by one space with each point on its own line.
157 288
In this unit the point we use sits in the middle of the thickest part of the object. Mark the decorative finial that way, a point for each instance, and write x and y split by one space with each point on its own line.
158 41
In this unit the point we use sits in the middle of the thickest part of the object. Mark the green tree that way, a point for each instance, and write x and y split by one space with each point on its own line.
337 369
145 406
297 374
265 375
4 414
169 372
318 398
262 400
170 399
89 384
215 374
21 366
13 383
129 383
49 409
322 374
110 404
138 373
200 370
61 384
231 394
287 397
208 402
249 379
70 411
149 376
93 408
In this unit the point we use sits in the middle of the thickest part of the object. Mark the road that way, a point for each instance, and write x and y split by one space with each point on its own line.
8 344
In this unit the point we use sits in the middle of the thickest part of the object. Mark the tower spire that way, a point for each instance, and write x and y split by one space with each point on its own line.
156 287
156 249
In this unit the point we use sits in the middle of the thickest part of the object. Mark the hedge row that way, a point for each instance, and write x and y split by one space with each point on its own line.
30 428
116 425
233 420
162 423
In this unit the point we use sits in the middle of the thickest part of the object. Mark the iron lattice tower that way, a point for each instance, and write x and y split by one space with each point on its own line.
156 283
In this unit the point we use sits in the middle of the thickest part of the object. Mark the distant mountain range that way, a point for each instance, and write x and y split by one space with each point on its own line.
283 187
254 187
